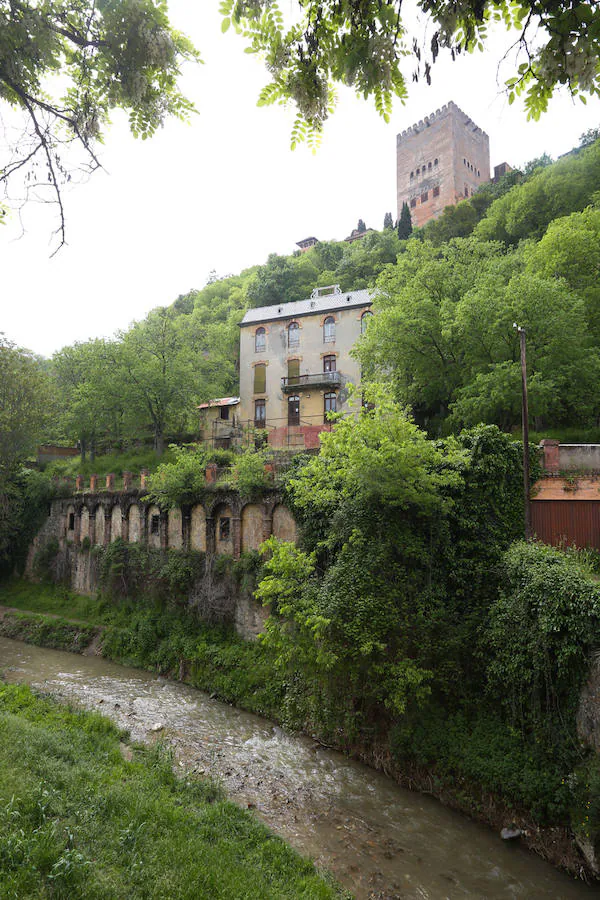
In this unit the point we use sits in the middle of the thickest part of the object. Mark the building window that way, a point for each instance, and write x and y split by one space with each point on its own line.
424 197
329 330
429 166
330 405
435 162
466 190
260 413
293 410
224 528
329 363
154 524
418 172
71 521
293 334
364 320
260 340
293 371
436 191
224 413
478 173
260 379
412 175
413 203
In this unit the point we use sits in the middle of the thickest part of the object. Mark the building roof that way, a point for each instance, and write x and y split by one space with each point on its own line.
221 401
329 303
308 240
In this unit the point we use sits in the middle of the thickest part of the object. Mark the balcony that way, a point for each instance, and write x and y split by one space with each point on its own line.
305 382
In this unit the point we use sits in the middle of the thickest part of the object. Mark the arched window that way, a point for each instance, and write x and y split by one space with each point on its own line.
364 320
293 334
412 175
429 166
260 340
435 162
330 405
294 410
329 330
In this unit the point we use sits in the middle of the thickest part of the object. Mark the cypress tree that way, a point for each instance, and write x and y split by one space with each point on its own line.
404 223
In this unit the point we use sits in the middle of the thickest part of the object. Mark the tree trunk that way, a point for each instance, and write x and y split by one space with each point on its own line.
159 442
82 448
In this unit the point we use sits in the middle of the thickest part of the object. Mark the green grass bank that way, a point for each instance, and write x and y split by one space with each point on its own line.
78 820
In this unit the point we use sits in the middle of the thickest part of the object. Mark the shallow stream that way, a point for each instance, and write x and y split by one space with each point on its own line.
380 840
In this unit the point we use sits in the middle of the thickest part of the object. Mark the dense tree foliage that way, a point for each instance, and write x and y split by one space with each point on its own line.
446 296
366 44
117 55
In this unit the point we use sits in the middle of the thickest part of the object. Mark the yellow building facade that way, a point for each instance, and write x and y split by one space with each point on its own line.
295 364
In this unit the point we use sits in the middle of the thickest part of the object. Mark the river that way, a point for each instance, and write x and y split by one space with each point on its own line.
380 840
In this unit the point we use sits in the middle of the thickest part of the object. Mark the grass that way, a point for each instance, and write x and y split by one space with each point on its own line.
128 461
79 821
51 599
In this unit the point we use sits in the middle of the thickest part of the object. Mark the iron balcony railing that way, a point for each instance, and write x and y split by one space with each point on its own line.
319 379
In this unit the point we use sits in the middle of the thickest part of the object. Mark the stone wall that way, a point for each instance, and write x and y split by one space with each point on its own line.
222 524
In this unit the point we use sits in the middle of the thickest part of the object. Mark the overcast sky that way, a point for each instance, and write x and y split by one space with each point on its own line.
225 191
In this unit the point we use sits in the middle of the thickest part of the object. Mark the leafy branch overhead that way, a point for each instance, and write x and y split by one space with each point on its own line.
119 55
365 44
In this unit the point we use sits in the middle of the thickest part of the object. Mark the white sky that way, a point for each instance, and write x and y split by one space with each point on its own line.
225 191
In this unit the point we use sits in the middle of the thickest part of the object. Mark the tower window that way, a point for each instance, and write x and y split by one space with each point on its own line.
364 320
329 330
293 334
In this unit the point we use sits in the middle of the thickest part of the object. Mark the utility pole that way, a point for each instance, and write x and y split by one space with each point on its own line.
525 421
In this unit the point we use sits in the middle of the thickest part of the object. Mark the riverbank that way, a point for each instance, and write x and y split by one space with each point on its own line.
241 674
84 814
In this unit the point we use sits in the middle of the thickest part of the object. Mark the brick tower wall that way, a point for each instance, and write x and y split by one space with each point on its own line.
440 160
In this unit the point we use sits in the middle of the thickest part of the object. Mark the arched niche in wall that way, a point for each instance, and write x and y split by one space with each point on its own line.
84 528
116 523
153 526
252 526
175 529
284 526
198 528
70 523
135 525
223 518
100 525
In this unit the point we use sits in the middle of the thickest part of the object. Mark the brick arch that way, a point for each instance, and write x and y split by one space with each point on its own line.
252 525
153 539
223 533
198 528
99 537
284 524
175 528
69 532
135 523
116 517
84 526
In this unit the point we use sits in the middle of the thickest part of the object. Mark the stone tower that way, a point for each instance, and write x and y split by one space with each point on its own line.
440 160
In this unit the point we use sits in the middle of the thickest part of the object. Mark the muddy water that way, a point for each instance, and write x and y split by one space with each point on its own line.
379 840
